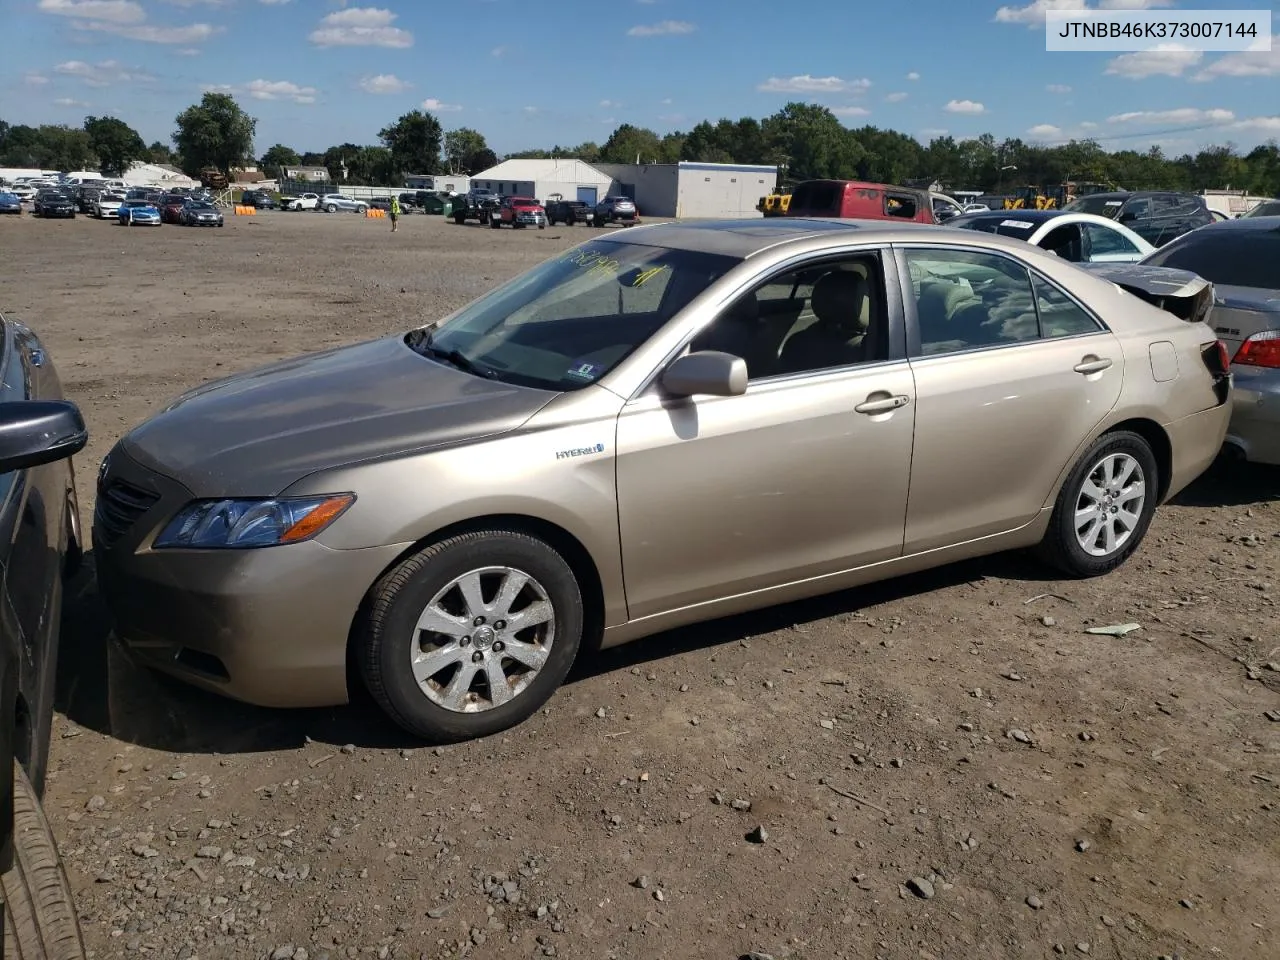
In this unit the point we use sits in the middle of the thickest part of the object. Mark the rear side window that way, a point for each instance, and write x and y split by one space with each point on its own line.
822 197
1238 258
898 205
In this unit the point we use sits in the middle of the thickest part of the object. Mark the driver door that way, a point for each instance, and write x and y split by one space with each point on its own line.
804 475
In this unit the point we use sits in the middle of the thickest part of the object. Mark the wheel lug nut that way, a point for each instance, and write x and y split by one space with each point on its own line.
499 646
478 621
477 657
500 625
465 641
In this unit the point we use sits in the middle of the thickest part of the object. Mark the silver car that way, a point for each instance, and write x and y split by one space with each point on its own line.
1241 258
333 202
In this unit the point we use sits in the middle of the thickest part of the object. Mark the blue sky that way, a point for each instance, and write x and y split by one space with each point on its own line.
530 73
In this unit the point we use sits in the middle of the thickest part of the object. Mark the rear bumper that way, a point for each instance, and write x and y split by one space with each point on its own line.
1196 442
1255 413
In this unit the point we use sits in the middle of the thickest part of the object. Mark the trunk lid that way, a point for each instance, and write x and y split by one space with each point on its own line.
1184 294
1240 312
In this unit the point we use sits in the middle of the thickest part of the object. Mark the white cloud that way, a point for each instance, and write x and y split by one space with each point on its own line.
607 104
197 3
360 27
804 83
532 110
1058 88
275 3
498 52
851 111
665 101
101 74
70 102
431 103
1033 14
1247 63
666 28
1088 125
384 83
896 97
1270 125
268 90
115 11
929 133
964 106
1165 60
188 52
913 75
193 33
1045 131
1178 117
35 79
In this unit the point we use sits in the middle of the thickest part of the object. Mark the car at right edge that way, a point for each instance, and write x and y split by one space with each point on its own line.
1241 258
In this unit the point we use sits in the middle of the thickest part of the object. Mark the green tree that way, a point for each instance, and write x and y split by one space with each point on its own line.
115 142
373 166
462 147
481 160
48 147
414 141
277 158
813 142
631 144
338 160
214 133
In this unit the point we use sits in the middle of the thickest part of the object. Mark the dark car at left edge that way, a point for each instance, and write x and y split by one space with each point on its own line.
39 548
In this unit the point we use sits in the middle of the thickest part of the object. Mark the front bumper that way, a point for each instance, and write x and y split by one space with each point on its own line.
1255 413
267 626
58 214
531 219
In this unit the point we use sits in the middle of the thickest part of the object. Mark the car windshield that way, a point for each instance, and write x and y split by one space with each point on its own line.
1008 226
1233 258
1099 206
200 207
567 323
1269 209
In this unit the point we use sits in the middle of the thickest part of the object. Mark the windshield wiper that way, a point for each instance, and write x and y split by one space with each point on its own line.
457 359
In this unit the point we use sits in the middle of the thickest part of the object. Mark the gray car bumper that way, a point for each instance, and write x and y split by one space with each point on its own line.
1255 414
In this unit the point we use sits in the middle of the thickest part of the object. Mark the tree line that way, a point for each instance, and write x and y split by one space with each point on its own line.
804 140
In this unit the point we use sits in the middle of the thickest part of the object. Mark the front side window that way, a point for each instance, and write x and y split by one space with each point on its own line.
567 323
817 317
1103 241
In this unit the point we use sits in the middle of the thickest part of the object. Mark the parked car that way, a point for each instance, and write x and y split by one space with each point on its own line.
259 200
1268 208
615 210
138 212
1240 257
1156 216
944 208
333 202
10 203
257 556
200 214
86 198
108 205
53 204
171 205
863 201
1077 237
380 203
478 204
520 212
308 201
23 192
40 545
569 212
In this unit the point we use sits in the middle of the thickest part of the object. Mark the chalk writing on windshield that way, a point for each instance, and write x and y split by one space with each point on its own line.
592 261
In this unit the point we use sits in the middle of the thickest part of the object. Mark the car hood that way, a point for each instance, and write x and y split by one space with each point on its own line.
255 433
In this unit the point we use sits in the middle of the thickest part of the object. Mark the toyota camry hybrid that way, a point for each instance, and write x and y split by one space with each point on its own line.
658 427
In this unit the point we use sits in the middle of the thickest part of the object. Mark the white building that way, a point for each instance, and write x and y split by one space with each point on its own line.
689 189
572 179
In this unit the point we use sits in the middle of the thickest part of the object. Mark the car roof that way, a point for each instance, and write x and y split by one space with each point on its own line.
1259 224
742 238
1030 216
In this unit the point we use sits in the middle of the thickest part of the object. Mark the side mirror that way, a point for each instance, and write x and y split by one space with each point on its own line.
707 372
1126 216
36 432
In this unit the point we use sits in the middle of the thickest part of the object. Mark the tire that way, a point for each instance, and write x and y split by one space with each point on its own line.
362 210
39 913
495 223
459 218
330 208
402 597
1062 546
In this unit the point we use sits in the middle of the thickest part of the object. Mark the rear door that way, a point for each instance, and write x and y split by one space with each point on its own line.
1011 374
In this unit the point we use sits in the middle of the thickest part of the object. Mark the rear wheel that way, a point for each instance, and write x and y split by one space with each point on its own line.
495 223
39 913
1104 508
459 218
472 635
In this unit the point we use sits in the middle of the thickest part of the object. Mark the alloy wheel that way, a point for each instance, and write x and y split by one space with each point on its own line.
1109 506
482 639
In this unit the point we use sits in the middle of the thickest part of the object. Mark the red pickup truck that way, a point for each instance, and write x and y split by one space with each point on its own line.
861 201
520 212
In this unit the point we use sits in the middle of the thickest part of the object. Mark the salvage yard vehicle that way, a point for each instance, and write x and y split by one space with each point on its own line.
333 202
1268 208
308 201
615 210
863 201
259 200
53 204
519 212
108 205
138 212
476 204
590 432
568 212
10 203
171 205
1240 258
1156 216
40 545
200 214
1077 237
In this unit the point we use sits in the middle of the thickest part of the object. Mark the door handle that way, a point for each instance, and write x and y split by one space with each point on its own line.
1092 365
882 404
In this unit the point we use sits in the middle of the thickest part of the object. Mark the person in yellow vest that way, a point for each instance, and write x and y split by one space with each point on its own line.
395 214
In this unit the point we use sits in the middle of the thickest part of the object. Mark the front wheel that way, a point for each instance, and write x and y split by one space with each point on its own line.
1104 508
472 635
495 223
39 912
330 209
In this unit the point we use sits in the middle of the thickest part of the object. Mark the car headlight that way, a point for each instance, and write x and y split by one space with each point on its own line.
238 524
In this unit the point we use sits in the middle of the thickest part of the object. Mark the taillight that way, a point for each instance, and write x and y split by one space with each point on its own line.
1215 357
1260 350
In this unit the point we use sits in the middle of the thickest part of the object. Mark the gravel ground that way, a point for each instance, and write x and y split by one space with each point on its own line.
945 766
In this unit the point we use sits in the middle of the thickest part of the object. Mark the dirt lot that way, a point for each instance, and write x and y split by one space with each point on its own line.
1023 789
